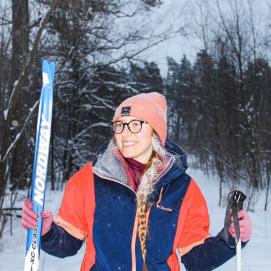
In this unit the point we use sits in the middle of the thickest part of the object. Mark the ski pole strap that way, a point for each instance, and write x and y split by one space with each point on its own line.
235 204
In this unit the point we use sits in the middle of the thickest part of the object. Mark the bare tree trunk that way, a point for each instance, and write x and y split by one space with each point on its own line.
267 188
20 49
20 37
267 194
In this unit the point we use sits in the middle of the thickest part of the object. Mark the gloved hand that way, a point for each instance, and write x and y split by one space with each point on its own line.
245 226
30 218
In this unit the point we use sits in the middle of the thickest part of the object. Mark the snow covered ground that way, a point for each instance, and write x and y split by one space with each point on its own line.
255 257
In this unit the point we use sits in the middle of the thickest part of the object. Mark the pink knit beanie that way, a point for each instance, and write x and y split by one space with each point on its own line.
150 107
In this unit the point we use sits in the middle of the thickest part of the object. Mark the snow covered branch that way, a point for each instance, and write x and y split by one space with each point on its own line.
17 137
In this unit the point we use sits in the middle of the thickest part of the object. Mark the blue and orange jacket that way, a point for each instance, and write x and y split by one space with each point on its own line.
99 206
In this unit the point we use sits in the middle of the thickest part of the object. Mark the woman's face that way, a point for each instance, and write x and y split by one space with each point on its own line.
137 146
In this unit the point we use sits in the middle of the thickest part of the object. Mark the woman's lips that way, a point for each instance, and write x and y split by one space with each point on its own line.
128 144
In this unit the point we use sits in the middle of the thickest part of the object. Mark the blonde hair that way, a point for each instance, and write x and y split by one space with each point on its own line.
146 188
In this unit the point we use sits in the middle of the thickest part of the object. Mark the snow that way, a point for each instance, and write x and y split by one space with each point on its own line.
6 113
12 145
15 123
255 256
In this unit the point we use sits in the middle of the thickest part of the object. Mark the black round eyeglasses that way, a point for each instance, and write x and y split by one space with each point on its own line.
134 126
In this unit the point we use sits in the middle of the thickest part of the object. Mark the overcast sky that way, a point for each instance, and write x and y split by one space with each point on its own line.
186 15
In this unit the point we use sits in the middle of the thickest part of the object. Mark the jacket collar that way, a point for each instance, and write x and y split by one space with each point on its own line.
108 166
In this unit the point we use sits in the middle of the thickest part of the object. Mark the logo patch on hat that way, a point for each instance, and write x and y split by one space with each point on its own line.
125 111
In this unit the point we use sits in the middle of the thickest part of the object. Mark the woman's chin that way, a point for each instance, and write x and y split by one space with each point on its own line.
127 154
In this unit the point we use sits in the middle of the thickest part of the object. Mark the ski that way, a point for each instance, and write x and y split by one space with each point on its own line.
39 174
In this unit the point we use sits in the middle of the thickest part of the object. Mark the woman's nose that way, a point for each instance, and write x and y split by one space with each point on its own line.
126 130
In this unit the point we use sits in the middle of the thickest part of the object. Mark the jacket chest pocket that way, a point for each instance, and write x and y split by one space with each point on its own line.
162 225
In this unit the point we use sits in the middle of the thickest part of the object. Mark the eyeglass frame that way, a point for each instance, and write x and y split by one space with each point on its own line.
127 124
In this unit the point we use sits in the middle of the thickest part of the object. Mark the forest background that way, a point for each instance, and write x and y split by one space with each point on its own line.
218 92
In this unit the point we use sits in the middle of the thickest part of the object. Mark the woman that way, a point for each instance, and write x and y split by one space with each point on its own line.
135 206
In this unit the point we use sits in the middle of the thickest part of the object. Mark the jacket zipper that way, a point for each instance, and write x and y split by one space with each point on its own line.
134 234
160 196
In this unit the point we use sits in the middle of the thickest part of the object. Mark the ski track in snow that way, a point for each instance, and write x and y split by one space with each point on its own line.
255 256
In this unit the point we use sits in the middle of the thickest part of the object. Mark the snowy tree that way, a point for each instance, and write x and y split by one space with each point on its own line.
91 40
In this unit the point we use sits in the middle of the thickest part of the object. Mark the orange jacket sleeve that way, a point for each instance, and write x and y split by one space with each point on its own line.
74 209
194 212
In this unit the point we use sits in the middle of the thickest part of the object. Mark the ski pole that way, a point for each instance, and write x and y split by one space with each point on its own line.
39 174
235 204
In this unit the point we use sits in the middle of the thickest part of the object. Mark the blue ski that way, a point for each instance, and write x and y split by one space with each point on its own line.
39 175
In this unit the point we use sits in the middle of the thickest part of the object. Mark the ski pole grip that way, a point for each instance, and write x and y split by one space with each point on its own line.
237 198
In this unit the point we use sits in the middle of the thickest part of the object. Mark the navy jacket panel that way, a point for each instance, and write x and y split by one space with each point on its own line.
59 243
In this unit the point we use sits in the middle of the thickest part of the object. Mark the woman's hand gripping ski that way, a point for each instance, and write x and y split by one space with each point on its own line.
30 218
